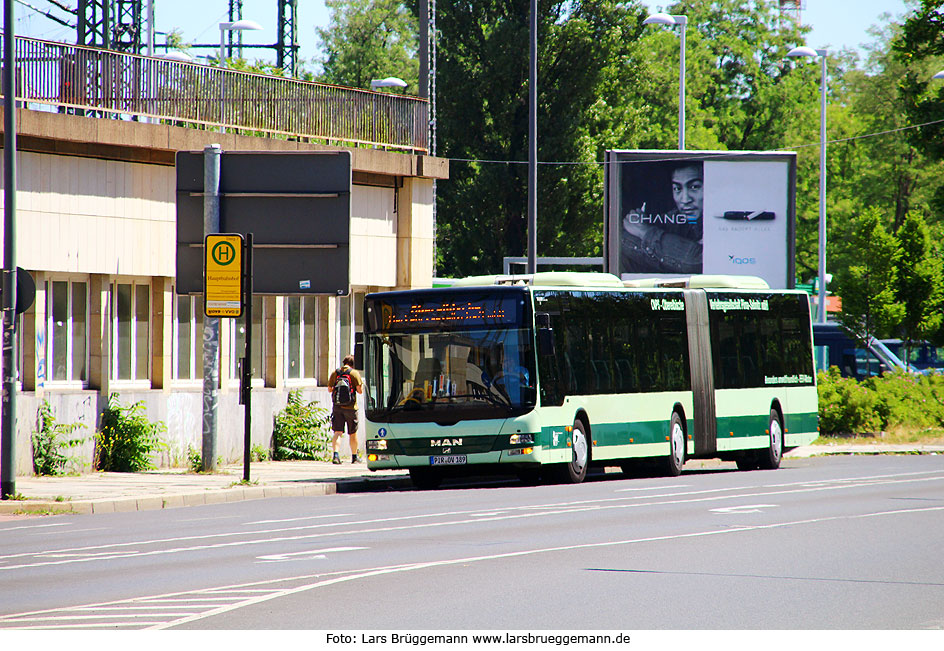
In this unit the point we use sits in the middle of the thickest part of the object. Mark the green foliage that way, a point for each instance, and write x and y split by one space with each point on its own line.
194 460
127 438
867 278
259 453
845 406
49 441
369 39
301 431
893 401
920 282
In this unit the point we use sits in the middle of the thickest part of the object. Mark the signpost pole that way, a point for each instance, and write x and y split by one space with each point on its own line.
247 361
211 326
8 417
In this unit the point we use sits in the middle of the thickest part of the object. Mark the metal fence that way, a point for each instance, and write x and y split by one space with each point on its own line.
114 84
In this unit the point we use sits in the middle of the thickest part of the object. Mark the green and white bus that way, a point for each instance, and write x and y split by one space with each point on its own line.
548 374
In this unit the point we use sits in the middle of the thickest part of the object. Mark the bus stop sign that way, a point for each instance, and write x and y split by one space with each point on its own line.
223 275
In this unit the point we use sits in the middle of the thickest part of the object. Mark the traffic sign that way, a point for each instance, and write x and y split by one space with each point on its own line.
223 275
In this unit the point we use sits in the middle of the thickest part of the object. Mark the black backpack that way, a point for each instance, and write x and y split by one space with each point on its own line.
344 387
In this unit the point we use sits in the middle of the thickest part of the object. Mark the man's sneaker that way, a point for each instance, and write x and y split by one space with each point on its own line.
336 459
355 459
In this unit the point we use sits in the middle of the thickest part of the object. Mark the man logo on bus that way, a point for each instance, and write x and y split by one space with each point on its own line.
443 442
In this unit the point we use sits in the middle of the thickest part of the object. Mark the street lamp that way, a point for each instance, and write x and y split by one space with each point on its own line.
673 19
387 82
938 75
804 51
237 26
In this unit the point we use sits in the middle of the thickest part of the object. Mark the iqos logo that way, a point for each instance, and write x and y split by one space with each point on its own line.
739 260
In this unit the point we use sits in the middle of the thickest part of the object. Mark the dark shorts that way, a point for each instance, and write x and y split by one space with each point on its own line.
340 417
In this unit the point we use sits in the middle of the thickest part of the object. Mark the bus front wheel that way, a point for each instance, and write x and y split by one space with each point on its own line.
575 471
676 458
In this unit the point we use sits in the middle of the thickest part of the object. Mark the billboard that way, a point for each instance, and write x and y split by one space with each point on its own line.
677 213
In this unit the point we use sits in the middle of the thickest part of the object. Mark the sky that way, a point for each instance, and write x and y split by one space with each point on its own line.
836 23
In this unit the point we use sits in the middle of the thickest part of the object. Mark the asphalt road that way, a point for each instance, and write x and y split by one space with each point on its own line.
822 543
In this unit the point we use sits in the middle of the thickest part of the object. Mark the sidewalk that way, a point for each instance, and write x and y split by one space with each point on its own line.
110 492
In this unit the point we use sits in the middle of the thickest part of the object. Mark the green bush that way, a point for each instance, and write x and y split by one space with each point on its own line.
301 431
896 400
127 439
50 440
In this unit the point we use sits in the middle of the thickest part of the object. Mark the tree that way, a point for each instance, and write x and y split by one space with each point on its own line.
369 39
920 282
867 278
587 66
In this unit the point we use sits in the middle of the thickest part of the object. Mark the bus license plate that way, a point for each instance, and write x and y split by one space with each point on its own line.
452 460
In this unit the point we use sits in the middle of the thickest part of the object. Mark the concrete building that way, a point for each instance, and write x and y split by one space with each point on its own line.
96 229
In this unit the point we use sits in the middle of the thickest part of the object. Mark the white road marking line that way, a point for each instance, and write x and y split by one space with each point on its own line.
531 552
587 505
313 553
746 508
36 526
651 488
307 517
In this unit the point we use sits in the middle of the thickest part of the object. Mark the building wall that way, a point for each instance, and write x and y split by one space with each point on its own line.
87 225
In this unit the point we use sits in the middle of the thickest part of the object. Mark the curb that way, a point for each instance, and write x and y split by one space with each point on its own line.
207 496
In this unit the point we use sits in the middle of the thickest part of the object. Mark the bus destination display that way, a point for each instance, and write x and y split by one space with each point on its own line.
450 315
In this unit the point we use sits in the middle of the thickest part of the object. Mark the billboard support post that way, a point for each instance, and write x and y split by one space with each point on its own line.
211 325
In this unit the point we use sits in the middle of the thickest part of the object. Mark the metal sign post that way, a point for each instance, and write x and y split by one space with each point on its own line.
245 390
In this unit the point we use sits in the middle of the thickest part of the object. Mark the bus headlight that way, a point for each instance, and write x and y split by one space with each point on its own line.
512 453
377 445
519 439
378 457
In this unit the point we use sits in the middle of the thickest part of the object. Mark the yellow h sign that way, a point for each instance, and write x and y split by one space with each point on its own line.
223 275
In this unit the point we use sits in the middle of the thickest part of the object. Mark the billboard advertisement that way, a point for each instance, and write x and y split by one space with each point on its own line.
678 213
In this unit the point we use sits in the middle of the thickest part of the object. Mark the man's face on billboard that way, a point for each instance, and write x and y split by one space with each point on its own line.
688 191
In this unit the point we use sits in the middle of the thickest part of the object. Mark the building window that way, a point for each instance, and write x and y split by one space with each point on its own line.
132 310
239 341
300 335
67 331
188 338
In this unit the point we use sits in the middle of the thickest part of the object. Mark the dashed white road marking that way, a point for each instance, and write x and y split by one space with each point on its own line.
308 555
744 508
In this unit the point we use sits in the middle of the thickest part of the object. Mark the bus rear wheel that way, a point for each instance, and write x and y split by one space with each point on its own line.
575 471
676 458
769 459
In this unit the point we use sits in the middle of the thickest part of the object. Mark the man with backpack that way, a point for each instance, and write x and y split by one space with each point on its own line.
345 384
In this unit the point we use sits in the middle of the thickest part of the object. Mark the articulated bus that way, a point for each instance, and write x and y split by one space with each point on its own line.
548 374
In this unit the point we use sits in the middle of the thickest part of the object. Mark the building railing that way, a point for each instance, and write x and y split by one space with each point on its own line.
114 84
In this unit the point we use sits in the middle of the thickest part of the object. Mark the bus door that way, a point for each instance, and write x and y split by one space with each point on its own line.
703 386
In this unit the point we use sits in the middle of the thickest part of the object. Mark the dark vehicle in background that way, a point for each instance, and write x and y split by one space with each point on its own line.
922 355
841 350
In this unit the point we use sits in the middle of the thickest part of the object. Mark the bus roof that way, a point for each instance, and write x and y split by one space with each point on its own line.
597 279
702 281
546 278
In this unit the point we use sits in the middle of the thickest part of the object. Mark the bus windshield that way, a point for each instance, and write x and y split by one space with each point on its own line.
448 376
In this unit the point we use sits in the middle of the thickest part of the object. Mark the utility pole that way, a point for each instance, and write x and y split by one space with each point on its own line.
8 418
211 324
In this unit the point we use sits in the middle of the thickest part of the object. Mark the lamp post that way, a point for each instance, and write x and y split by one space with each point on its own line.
804 51
387 82
237 26
674 19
